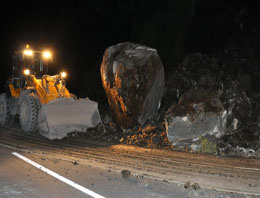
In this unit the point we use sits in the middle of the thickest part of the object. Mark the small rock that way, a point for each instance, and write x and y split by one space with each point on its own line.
73 134
187 185
126 174
156 139
75 163
121 140
101 129
194 147
165 181
195 186
106 120
111 124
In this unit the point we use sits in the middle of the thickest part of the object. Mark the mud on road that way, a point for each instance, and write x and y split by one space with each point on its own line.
240 175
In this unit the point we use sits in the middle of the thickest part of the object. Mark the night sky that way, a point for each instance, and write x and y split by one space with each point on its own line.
78 32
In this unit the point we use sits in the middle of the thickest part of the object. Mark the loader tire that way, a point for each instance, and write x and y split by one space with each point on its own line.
29 111
5 115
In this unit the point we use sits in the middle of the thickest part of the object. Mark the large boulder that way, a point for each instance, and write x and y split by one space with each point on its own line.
199 112
133 79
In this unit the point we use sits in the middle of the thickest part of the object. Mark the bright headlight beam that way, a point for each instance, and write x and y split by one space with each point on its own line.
63 74
46 55
28 52
26 71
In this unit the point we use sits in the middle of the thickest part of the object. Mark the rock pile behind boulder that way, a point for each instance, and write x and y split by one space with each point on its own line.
201 79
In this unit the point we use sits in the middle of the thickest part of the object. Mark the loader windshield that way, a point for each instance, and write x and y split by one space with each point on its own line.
35 63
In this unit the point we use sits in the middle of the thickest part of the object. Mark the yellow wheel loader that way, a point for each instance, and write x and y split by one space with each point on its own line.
42 101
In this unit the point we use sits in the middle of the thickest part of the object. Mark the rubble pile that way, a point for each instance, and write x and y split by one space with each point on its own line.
150 135
235 82
242 99
195 70
205 97
206 103
197 110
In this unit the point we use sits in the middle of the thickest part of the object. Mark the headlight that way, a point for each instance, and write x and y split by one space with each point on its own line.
28 52
63 74
26 71
46 55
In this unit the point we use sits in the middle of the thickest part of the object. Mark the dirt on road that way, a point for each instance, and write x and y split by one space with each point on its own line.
240 175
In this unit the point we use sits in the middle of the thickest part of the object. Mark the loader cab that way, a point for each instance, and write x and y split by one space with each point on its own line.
29 62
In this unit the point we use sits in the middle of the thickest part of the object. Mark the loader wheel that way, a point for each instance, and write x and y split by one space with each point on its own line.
29 110
4 110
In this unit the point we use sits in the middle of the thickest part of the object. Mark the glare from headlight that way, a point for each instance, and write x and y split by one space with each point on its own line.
63 74
28 52
26 71
46 55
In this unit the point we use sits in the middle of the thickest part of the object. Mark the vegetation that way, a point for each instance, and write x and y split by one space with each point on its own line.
206 146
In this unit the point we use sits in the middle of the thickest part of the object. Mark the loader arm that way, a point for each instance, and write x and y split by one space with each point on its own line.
15 92
48 88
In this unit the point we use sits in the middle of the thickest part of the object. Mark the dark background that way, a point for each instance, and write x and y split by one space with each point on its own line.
78 32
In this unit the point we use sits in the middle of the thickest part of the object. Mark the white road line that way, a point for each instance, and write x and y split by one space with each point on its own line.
59 177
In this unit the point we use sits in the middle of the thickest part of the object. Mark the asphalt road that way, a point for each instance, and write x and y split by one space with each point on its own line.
18 179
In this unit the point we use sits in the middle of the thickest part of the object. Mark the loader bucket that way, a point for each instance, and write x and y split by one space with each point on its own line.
60 117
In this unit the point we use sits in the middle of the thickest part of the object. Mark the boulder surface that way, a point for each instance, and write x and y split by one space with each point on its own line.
133 79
